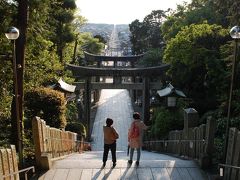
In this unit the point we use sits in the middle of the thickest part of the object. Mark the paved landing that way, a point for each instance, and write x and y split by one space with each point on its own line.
153 166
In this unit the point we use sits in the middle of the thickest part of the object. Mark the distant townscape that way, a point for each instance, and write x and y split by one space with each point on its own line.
105 30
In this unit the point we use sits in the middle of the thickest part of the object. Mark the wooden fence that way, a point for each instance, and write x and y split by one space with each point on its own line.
9 165
231 166
52 143
194 142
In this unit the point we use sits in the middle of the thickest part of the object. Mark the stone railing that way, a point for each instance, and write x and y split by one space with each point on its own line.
9 165
196 143
231 168
51 143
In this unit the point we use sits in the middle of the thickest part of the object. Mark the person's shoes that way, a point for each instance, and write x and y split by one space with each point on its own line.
114 164
129 161
103 165
137 163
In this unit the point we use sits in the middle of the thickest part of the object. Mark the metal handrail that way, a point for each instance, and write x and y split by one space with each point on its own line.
179 141
226 166
229 166
26 170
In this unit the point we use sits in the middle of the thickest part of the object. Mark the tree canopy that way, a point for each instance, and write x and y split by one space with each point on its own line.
196 62
49 34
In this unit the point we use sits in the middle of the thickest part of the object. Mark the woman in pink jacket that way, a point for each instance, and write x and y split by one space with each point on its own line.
135 136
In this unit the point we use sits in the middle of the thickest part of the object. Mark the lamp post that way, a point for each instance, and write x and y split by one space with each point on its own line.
235 34
12 34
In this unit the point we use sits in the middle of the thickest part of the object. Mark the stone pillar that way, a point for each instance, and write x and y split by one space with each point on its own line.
42 159
146 100
191 119
97 92
114 77
206 158
134 93
210 131
87 106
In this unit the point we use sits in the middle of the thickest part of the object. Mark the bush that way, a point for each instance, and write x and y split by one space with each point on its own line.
5 129
165 120
71 112
48 104
76 127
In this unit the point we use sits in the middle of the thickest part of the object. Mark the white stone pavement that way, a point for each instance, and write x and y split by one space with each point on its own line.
115 104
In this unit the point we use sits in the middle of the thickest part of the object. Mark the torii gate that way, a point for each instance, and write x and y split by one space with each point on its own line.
86 74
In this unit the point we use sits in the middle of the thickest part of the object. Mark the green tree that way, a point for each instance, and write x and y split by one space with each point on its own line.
61 17
153 22
147 34
197 12
90 44
152 58
230 10
138 37
36 50
197 66
165 120
101 39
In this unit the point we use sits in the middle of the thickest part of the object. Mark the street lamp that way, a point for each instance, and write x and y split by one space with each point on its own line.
235 34
12 34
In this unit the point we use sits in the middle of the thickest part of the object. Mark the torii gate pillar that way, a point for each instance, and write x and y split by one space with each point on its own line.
87 105
146 100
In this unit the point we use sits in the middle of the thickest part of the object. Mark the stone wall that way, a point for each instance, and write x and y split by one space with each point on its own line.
51 143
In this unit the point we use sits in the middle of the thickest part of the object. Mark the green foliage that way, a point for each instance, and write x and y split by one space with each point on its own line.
197 12
152 58
29 150
43 63
5 129
61 15
71 112
76 127
101 39
165 120
220 115
229 9
48 104
7 12
138 37
72 122
147 34
196 64
90 44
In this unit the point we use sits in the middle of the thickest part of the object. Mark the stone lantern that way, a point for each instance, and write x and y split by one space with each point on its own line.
171 94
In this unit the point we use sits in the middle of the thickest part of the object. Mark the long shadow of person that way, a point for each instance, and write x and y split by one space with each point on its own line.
126 174
97 174
108 174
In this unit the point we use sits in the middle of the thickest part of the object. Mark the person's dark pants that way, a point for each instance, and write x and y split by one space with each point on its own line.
112 147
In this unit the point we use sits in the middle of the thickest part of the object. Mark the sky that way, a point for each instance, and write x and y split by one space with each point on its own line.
122 11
